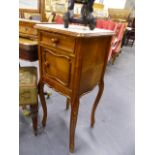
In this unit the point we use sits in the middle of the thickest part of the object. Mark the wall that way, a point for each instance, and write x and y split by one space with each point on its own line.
120 4
131 4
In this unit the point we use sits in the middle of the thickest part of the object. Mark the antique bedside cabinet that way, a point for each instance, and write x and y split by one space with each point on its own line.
72 61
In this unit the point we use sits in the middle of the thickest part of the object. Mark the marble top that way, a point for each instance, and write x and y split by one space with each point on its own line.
76 29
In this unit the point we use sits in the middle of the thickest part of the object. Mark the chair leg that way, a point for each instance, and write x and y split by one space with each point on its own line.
133 42
43 102
34 115
114 56
113 59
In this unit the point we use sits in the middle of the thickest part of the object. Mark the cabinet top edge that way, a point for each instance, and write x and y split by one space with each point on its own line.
74 30
29 21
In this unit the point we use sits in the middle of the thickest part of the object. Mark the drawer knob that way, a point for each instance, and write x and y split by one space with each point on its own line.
47 64
54 41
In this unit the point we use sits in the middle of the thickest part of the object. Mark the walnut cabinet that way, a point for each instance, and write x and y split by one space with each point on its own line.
72 61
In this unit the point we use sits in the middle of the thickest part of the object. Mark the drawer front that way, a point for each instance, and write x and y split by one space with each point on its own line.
59 42
56 67
27 30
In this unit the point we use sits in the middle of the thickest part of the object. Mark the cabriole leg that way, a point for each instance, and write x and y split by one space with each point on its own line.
43 103
73 121
101 87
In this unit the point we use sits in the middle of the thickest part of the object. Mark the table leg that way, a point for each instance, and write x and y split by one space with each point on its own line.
43 103
101 87
73 121
34 113
67 103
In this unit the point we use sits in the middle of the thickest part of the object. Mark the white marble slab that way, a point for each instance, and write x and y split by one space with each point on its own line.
77 29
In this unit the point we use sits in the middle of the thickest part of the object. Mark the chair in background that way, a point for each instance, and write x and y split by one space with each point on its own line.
58 19
130 33
116 42
120 16
105 24
28 92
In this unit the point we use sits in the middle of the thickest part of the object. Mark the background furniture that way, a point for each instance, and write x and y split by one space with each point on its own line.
116 42
28 94
27 30
28 49
28 42
130 33
32 8
60 7
73 62
119 15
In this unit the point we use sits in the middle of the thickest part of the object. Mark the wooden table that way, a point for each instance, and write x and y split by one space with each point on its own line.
72 61
28 44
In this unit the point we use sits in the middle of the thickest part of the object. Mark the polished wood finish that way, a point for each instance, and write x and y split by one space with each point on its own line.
73 64
42 11
28 49
27 30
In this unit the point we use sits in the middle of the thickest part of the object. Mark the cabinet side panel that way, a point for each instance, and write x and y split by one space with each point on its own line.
95 52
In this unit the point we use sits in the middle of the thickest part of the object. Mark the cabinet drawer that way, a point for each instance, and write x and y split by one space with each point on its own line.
56 67
27 30
58 41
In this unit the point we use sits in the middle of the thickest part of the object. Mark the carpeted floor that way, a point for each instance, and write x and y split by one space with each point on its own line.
113 133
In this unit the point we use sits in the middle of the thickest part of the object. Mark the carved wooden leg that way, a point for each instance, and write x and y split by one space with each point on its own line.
101 87
73 121
67 103
43 102
34 113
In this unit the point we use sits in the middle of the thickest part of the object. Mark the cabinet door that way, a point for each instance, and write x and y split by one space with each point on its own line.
56 67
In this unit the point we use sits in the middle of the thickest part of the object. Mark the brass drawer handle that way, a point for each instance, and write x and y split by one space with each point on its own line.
54 41
47 64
